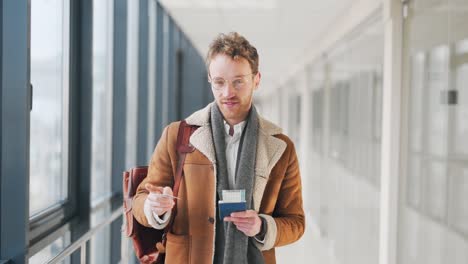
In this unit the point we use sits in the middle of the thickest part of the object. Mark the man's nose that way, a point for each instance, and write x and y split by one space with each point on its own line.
228 90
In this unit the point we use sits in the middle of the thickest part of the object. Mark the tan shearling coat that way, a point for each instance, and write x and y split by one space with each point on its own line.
276 195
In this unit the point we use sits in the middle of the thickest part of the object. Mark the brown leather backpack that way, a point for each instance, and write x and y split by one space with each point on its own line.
149 243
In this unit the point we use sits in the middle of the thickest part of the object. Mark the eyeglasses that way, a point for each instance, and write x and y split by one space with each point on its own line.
238 83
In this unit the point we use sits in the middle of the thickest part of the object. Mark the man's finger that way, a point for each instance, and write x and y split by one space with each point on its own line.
152 188
248 213
243 225
167 190
161 204
238 219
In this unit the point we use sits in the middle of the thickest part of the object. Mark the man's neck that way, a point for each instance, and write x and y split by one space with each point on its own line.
232 123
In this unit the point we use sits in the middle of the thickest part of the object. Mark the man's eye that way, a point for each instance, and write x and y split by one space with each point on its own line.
238 82
219 82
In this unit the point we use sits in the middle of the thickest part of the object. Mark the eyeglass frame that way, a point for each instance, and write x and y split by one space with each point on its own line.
210 80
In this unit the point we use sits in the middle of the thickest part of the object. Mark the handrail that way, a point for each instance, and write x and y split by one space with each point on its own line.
81 242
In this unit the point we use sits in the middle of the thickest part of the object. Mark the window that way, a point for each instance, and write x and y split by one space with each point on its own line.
50 42
348 168
102 100
461 126
52 250
317 119
101 127
294 118
433 219
132 83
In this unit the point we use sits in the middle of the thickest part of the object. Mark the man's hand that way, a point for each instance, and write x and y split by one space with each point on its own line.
248 222
158 203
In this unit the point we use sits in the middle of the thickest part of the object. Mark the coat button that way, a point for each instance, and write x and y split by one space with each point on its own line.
211 220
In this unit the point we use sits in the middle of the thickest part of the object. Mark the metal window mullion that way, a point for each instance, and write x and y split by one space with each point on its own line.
152 11
14 134
65 95
81 106
109 92
159 73
142 106
165 72
119 117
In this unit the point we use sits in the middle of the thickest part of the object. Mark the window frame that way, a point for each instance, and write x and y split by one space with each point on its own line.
14 126
57 212
72 216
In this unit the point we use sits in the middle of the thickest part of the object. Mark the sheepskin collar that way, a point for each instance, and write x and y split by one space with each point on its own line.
202 118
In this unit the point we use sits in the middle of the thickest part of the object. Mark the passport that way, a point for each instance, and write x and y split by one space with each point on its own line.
225 209
233 201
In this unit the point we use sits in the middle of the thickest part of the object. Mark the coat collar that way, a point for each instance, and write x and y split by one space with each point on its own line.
202 118
269 148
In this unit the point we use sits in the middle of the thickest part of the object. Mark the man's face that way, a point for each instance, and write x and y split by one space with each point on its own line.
234 98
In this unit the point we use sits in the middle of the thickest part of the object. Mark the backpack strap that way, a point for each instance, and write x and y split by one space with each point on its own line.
183 147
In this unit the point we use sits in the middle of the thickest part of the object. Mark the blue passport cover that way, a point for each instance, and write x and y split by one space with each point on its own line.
225 209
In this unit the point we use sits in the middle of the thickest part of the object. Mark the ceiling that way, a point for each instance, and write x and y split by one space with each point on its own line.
280 30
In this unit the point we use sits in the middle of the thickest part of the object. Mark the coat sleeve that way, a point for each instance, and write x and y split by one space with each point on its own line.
160 172
289 211
287 223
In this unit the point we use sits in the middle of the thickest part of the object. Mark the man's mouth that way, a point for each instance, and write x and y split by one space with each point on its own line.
230 103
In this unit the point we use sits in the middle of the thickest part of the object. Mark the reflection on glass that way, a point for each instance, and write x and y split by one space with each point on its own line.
459 198
100 243
461 47
101 117
413 189
416 99
349 167
317 123
438 77
377 105
51 251
49 76
461 110
377 125
437 232
294 118
435 193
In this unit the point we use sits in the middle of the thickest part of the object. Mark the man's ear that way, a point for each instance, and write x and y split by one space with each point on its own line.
257 78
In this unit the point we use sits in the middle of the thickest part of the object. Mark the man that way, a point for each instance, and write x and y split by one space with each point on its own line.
235 149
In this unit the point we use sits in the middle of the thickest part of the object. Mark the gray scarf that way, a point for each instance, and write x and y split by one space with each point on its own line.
231 245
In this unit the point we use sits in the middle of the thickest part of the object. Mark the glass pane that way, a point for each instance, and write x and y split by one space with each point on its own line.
376 126
294 117
461 118
317 120
100 243
49 76
435 193
132 82
349 172
432 224
413 196
51 251
416 98
152 20
102 96
438 80
458 198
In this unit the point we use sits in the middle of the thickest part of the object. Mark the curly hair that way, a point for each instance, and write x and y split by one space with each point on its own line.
235 46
